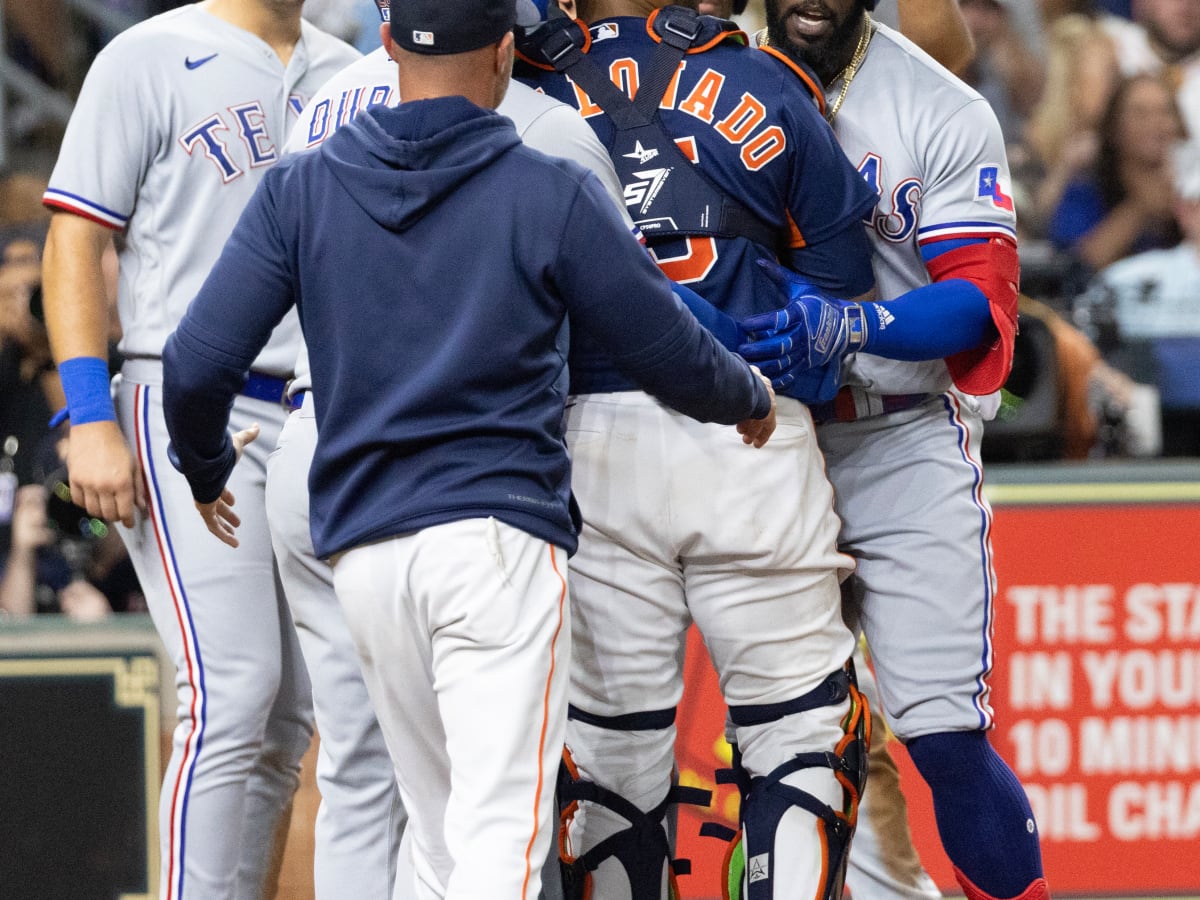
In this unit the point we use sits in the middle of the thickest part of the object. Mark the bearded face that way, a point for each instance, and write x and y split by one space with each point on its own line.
822 33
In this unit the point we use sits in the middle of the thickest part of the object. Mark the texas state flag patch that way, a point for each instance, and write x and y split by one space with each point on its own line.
989 189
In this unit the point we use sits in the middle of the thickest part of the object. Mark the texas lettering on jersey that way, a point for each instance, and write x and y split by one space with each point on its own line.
213 136
895 218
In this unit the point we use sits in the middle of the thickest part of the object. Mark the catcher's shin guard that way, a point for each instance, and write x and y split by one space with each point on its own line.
751 873
642 849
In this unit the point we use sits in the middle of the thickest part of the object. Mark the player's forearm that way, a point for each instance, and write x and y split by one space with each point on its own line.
930 322
840 264
73 293
724 328
198 392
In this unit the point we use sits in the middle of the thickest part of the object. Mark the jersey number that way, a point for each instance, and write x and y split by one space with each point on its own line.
694 264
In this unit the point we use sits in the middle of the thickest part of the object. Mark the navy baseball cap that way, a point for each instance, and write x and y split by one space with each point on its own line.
440 27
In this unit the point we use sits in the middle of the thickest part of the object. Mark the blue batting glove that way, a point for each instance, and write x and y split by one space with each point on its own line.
818 385
810 331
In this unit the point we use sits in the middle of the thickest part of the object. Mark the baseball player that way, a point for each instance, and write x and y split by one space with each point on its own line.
678 527
360 820
440 484
179 119
901 436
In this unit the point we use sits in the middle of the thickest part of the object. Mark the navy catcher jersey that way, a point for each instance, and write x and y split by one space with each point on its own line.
754 130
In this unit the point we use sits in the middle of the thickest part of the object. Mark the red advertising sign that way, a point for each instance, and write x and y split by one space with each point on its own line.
1097 698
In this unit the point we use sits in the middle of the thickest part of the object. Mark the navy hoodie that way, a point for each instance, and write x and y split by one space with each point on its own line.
435 261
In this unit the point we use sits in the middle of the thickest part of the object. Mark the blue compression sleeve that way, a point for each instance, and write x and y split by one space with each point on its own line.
931 322
723 328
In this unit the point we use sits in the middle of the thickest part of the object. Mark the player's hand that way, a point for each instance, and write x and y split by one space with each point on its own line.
105 478
218 515
811 330
758 431
819 385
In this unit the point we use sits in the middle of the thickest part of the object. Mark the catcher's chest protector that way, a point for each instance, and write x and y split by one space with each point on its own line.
666 194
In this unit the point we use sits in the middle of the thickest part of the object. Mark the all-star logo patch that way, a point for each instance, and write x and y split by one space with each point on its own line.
758 868
641 154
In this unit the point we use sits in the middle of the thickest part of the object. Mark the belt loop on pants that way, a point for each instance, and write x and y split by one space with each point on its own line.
853 403
270 388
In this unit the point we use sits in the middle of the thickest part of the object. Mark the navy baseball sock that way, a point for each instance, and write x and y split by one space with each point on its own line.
983 815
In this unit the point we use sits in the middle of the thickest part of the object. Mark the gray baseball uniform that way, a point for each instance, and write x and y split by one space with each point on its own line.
178 119
934 153
903 452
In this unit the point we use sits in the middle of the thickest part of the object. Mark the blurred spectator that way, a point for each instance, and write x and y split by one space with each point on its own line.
21 199
354 21
38 40
54 556
1062 135
1144 313
29 388
35 578
1009 58
1164 37
1124 205
339 17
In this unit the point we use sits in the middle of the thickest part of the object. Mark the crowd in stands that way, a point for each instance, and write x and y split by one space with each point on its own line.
53 556
1099 101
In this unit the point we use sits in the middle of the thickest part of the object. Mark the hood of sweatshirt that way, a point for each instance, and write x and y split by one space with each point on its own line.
397 163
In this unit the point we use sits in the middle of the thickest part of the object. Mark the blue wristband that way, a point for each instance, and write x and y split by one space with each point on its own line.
85 382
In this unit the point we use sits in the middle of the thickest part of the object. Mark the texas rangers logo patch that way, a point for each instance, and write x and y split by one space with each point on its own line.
989 190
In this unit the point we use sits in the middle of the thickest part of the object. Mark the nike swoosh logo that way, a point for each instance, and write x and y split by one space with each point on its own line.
197 63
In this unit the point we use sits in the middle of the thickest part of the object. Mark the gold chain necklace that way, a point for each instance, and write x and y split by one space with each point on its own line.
847 74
